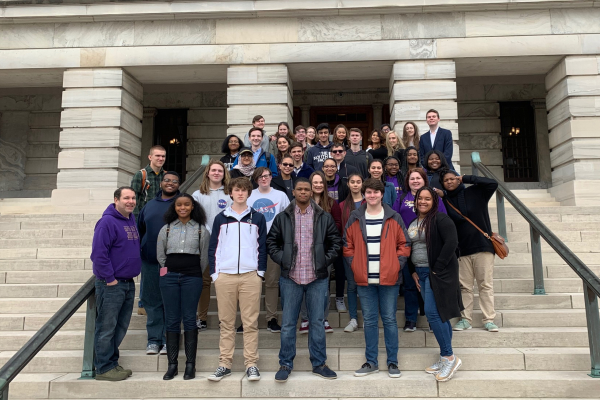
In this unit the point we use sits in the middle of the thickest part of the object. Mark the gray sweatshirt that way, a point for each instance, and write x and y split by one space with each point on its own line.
213 203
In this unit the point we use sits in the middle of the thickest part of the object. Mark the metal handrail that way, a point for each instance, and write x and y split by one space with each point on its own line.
591 282
86 292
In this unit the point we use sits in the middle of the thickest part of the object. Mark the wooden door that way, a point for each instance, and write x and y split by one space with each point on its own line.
360 117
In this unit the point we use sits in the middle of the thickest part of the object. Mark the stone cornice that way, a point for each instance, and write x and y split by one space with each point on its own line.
22 11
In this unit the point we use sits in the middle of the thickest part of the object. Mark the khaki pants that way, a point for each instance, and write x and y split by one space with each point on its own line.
202 312
478 267
272 288
245 288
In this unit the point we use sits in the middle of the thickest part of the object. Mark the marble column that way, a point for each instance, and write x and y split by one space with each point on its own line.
573 103
258 90
305 108
377 117
147 134
14 129
542 142
100 141
420 85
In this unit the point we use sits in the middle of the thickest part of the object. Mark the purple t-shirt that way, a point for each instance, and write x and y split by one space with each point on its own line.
394 180
407 208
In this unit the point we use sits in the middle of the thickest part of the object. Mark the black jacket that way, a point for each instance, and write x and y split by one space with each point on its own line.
325 247
236 173
443 266
277 183
472 202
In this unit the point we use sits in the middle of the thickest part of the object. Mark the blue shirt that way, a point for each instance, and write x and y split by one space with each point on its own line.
256 154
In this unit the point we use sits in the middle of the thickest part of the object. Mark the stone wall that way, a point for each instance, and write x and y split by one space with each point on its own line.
29 134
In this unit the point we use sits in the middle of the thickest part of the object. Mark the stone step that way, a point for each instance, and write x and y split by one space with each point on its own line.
45 243
42 265
519 224
565 384
477 338
31 233
84 225
339 359
76 276
41 217
526 271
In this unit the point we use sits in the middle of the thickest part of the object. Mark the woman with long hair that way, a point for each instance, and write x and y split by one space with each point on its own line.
410 135
395 146
320 195
377 148
182 252
435 162
434 269
231 147
311 135
213 196
286 178
405 206
283 148
336 187
352 202
393 174
283 130
376 171
340 135
411 160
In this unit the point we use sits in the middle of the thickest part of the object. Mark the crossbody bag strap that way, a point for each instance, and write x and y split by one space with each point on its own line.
471 222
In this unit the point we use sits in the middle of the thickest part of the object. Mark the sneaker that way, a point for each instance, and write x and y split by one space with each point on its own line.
141 310
303 327
283 374
435 368
448 369
352 326
462 325
219 374
324 372
366 369
394 371
202 325
273 326
253 374
240 329
340 305
163 350
328 328
129 372
430 328
410 326
112 375
152 349
491 327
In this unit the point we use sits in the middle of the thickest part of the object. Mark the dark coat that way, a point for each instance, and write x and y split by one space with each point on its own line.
277 183
443 265
325 247
236 173
443 143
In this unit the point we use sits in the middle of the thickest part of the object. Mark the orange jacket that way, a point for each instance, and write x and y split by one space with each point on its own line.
395 247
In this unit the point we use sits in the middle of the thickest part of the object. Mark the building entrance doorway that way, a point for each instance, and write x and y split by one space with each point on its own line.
519 150
170 131
360 117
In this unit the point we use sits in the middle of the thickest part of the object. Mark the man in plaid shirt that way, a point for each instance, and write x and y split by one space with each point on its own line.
304 241
154 176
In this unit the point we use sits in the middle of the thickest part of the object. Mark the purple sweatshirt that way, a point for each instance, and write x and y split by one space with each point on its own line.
407 208
116 246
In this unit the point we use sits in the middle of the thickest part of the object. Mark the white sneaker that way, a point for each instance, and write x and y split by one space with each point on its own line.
303 327
339 304
352 326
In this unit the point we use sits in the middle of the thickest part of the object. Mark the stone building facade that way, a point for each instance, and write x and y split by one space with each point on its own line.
87 87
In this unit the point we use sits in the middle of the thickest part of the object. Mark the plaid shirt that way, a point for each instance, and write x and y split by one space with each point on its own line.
303 272
141 196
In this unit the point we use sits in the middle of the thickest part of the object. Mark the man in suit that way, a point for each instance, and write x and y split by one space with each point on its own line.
436 138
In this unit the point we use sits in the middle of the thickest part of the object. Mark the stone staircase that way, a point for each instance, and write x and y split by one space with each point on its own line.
541 350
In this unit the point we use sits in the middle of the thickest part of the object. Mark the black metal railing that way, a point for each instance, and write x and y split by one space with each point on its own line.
87 292
591 282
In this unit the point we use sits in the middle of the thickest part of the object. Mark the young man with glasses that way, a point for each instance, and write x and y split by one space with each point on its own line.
357 157
150 221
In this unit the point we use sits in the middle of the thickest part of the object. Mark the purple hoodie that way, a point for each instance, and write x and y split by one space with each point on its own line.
407 208
116 246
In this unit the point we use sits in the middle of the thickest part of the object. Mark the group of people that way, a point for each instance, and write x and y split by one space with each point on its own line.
289 213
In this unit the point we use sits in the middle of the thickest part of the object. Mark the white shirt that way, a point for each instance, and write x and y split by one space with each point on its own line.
269 204
432 136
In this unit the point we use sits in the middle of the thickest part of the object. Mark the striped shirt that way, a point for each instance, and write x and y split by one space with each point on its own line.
303 272
374 227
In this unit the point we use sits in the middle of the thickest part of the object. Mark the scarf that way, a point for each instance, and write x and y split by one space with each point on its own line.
246 170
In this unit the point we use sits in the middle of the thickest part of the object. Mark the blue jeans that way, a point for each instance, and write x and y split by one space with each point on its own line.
153 303
114 305
352 294
441 330
411 296
317 296
181 294
381 300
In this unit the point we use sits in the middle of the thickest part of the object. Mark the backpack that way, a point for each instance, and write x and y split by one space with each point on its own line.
145 185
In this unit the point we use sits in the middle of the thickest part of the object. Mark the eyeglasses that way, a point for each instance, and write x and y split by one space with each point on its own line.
264 176
175 181
337 151
287 165
392 165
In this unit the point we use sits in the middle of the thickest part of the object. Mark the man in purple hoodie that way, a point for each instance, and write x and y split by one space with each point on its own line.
116 259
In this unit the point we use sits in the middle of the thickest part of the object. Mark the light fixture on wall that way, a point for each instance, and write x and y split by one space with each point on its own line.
514 131
176 141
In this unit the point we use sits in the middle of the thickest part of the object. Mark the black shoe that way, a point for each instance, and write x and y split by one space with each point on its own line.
410 326
324 372
172 354
190 339
273 326
283 374
240 329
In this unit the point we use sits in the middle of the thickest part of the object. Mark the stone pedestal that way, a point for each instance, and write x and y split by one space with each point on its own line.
305 115
542 142
377 117
258 90
147 134
420 85
14 129
101 135
573 103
